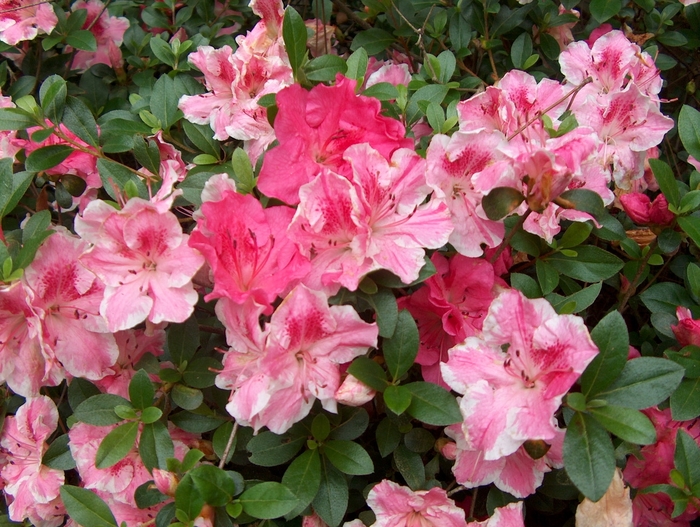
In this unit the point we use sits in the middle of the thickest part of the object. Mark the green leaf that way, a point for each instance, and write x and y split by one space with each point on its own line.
612 339
47 157
369 372
146 495
581 299
357 65
98 410
268 500
691 226
214 485
348 457
627 424
411 467
586 201
195 423
589 457
689 130
419 440
591 264
521 50
58 454
220 441
80 390
687 458
373 40
83 40
116 445
202 137
501 201
320 428
689 358
269 449
164 100
86 508
141 391
294 35
665 297
201 372
186 397
547 276
508 19
603 10
303 478
388 279
401 349
382 91
115 176
526 285
331 500
188 499
388 437
354 422
383 302
78 118
162 50
575 235
644 382
12 186
242 167
183 340
325 68
147 154
397 398
16 119
432 404
667 181
52 95
685 401
155 445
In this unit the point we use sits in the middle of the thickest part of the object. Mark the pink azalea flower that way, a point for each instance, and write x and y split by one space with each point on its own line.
397 506
25 23
66 298
643 211
143 258
517 473
306 344
377 221
510 515
109 34
315 128
247 248
354 392
687 331
32 489
450 307
8 139
511 396
386 71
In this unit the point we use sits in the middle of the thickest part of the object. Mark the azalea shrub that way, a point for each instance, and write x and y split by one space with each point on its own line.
381 263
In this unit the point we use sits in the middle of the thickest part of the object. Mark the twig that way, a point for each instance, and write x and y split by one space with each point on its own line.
633 284
222 461
509 236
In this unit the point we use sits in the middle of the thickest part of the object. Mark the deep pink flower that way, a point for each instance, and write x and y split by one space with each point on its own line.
143 258
306 344
32 489
643 211
397 506
687 331
25 23
511 396
247 248
315 128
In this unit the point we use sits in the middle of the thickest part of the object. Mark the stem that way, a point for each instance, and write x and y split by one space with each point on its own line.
458 488
556 103
472 506
222 462
633 284
212 329
506 241
488 50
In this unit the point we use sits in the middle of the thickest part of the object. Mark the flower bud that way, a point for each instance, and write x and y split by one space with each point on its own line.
354 392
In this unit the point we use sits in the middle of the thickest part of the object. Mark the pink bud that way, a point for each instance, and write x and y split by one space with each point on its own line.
637 205
688 330
354 392
166 482
659 213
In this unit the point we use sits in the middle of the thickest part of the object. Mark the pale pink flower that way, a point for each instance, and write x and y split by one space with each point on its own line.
26 22
247 248
315 128
511 396
109 34
376 221
517 473
313 521
510 515
8 139
397 506
386 71
306 344
143 258
32 489
687 331
354 392
66 297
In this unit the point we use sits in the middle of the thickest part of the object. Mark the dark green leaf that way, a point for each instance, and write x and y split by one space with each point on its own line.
303 478
401 349
612 339
147 154
348 457
387 279
294 35
419 440
581 299
411 467
331 500
603 10
354 422
685 401
12 186
689 358
320 428
526 285
188 499
186 397
325 68
665 297
116 445
52 95
373 40
644 382
79 119
164 100
202 136
141 391
586 201
86 508
667 181
397 398
79 390
162 50
591 264
47 157
432 404
221 439
183 340
589 458
269 449
146 495
99 410
508 19
501 201
195 423
357 64
627 424
369 372
214 485
201 372
383 302
521 50
689 129
691 226
155 445
83 40
58 454
388 437
547 276
268 500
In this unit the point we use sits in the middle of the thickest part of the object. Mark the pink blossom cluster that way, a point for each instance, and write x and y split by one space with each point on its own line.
24 19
